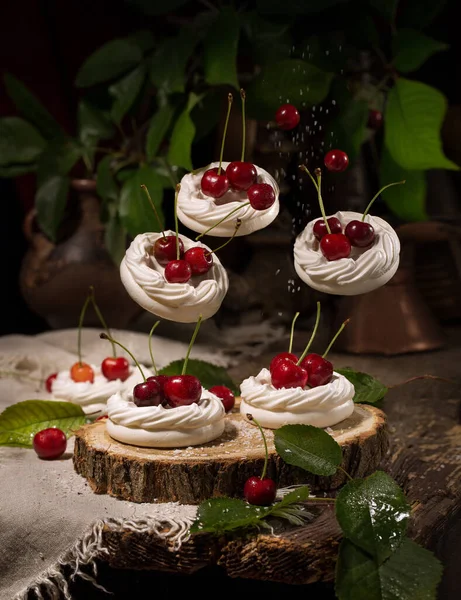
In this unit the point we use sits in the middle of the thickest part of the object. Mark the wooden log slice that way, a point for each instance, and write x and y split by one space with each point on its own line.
221 467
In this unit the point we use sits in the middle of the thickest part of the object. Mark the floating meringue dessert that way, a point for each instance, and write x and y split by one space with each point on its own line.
143 276
347 253
166 411
304 390
211 198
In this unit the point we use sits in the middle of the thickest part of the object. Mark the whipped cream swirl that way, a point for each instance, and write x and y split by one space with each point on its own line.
199 212
366 269
158 426
92 397
321 406
143 277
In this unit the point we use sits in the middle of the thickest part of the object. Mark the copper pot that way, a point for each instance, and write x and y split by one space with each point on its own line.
55 277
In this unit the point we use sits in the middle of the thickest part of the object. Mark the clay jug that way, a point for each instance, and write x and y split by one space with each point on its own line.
55 277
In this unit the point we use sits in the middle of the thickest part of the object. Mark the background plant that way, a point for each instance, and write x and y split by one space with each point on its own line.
150 99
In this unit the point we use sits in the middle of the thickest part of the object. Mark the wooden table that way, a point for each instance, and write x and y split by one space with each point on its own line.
425 459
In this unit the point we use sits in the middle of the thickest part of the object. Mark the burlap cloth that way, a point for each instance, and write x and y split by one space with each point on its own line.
48 515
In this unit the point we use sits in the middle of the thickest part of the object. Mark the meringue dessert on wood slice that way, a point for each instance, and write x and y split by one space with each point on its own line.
347 253
212 197
220 467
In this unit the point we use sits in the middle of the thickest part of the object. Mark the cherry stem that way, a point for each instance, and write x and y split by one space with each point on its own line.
237 226
194 335
266 452
317 185
292 331
243 97
153 328
309 343
346 473
176 224
314 499
100 317
80 325
160 224
335 338
376 195
435 377
104 336
222 220
229 106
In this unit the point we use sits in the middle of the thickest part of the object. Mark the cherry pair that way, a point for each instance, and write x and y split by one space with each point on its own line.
240 175
289 371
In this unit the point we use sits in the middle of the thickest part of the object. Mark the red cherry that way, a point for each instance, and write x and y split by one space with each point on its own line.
200 260
102 417
226 395
335 246
360 234
214 185
148 393
287 374
375 119
49 382
287 116
241 175
260 492
319 369
282 356
160 379
50 443
182 390
261 196
165 249
82 372
320 229
115 367
178 271
336 160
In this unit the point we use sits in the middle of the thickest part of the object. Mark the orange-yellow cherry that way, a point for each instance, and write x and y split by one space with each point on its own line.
81 371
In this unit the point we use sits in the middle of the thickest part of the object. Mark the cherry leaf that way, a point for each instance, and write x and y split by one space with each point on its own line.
368 390
20 422
308 447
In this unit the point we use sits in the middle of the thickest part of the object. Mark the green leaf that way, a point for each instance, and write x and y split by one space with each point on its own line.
293 80
20 142
308 447
125 92
115 238
20 422
373 513
407 202
269 41
144 39
106 186
209 374
295 7
158 127
413 118
58 159
411 573
412 48
33 110
179 152
368 390
135 211
108 62
16 170
50 202
93 124
168 65
218 515
220 49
